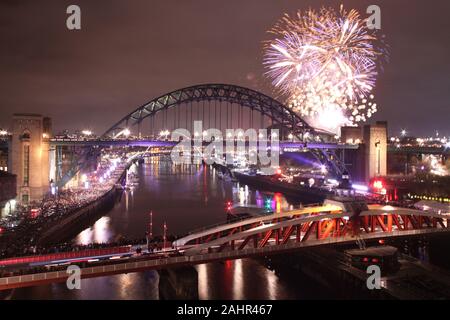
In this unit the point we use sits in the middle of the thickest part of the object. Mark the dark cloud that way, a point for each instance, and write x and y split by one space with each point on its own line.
131 51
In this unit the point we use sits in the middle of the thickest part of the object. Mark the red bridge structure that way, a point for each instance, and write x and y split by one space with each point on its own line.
334 222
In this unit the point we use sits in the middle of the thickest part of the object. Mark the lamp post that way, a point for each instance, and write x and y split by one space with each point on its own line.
164 235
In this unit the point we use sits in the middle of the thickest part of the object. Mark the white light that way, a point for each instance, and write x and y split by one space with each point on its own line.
126 132
403 132
86 132
360 187
3 132
291 136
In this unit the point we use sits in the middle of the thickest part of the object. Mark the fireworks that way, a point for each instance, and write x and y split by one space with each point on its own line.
326 62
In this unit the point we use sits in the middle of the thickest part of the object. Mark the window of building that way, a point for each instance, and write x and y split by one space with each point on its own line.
26 165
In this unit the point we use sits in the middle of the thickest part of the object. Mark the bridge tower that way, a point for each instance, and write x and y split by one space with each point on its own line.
29 155
375 141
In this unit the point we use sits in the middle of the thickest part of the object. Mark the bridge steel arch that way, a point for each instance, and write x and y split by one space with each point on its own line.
279 114
275 110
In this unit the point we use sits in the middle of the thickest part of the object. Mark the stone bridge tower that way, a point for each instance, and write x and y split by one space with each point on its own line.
375 140
29 156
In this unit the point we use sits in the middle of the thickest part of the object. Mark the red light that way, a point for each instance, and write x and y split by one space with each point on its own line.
278 171
378 184
381 241
375 260
366 259
34 213
1 230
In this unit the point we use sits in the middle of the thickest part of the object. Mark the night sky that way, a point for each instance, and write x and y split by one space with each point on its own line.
129 52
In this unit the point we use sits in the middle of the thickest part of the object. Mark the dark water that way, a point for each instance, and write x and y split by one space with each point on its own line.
185 197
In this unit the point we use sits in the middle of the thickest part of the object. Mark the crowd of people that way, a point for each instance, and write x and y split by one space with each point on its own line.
20 231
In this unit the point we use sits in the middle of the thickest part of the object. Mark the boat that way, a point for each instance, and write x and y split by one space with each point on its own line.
313 195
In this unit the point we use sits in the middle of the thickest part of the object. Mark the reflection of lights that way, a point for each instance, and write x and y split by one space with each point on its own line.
203 288
238 284
388 208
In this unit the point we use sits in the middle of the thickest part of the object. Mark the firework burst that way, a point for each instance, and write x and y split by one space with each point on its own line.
325 61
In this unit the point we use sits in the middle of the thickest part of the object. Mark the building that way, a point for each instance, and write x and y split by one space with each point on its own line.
29 155
370 159
8 190
3 157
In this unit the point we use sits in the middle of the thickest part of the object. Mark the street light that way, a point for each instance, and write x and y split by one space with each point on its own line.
403 132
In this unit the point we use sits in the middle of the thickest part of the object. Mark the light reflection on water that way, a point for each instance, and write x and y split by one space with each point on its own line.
187 197
100 232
